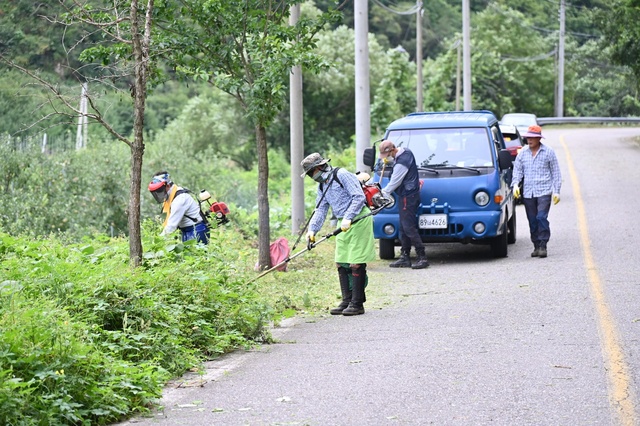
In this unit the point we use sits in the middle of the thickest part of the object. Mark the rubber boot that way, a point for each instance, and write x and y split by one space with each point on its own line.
358 297
542 251
403 262
536 251
421 263
343 275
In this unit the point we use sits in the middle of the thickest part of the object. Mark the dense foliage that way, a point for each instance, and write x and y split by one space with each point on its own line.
88 340
513 69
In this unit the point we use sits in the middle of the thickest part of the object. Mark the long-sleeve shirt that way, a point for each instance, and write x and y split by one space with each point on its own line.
541 172
183 205
399 172
346 200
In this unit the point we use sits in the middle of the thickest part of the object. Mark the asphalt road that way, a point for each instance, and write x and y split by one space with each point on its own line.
471 340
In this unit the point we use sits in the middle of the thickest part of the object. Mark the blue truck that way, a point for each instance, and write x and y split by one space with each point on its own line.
465 174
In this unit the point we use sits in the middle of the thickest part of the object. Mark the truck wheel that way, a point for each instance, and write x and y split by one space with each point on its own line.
387 249
511 225
500 243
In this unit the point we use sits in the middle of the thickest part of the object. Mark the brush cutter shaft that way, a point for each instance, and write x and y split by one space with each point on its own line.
310 246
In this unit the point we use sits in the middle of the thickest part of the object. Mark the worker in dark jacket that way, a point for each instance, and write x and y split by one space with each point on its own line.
405 182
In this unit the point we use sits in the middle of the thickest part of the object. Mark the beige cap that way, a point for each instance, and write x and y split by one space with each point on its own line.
385 148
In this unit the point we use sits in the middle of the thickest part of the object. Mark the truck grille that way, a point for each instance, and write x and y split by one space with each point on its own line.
450 231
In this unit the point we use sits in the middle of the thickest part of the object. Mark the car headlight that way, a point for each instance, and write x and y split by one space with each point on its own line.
389 229
482 198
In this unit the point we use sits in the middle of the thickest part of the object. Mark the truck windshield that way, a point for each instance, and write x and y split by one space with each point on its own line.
466 147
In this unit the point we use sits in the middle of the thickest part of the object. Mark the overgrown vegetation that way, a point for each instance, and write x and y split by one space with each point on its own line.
88 340
85 339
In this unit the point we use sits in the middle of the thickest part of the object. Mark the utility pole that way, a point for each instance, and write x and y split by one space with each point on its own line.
83 122
296 137
363 112
458 70
419 99
560 85
466 54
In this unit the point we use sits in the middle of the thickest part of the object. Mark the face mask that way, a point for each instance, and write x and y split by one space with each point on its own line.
321 176
388 160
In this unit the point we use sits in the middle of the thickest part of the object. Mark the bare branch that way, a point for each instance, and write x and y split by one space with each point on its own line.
60 96
102 26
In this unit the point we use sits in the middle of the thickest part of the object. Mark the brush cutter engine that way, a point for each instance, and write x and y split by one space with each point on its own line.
372 191
219 209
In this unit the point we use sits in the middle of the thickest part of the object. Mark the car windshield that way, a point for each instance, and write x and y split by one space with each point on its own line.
520 120
467 147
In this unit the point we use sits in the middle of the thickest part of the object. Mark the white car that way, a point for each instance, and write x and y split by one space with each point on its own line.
522 121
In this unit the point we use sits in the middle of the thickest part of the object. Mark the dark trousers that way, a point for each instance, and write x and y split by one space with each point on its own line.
199 231
537 209
409 224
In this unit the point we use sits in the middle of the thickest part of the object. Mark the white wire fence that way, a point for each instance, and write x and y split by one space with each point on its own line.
42 143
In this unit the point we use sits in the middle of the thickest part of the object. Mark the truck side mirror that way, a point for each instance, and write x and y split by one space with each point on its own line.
505 159
369 157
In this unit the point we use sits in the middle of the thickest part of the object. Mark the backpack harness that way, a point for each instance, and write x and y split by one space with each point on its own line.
204 217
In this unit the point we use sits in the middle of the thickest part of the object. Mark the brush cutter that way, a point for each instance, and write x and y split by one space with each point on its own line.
312 245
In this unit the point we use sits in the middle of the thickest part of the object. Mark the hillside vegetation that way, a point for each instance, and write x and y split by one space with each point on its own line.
87 339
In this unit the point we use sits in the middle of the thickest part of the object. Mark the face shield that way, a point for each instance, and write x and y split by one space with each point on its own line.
160 194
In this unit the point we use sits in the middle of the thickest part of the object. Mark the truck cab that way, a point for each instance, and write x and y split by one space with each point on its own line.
465 176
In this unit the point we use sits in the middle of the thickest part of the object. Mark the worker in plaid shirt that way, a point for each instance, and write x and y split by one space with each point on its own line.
538 165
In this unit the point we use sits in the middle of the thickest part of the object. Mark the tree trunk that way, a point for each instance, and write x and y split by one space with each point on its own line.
135 237
141 56
264 239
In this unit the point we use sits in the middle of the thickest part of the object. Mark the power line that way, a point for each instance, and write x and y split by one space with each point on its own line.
530 58
546 30
411 11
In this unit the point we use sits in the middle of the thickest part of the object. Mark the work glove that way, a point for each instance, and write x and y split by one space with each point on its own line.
311 238
516 192
345 225
556 198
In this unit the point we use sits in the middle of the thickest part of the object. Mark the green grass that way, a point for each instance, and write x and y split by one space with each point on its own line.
86 339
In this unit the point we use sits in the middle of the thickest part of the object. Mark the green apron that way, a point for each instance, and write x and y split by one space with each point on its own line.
357 244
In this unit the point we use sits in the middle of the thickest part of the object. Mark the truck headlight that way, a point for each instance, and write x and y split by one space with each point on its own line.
389 229
482 198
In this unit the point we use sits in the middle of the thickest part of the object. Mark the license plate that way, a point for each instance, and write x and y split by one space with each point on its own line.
432 221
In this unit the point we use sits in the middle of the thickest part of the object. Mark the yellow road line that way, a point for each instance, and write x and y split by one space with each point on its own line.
620 390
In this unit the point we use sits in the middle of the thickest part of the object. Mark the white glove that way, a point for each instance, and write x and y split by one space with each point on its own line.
311 237
345 225
556 198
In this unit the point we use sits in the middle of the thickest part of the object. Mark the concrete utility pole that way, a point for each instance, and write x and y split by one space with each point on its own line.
363 110
458 70
466 55
560 85
296 138
83 122
419 99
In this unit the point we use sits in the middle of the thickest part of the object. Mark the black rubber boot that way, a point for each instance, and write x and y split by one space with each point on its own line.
358 297
536 251
542 251
403 262
421 263
343 274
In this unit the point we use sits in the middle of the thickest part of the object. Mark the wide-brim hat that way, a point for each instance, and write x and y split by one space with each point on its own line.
533 132
385 148
311 162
